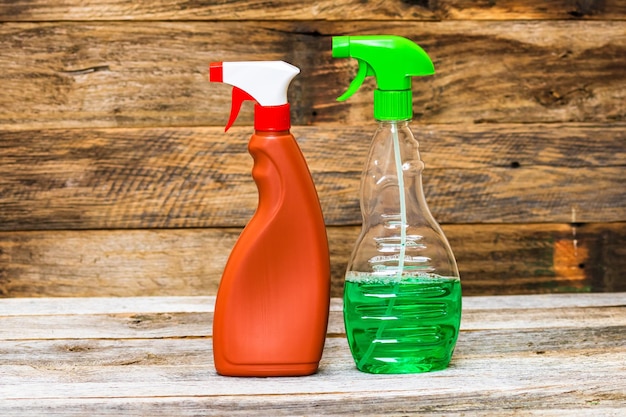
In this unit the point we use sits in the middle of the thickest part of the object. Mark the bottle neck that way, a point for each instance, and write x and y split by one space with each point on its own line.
395 138
400 124
272 118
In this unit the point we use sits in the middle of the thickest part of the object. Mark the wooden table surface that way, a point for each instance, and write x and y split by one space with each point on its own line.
544 355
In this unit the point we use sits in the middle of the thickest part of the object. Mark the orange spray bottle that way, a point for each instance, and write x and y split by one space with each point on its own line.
271 311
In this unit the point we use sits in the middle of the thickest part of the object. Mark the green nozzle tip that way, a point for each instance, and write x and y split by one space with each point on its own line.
341 46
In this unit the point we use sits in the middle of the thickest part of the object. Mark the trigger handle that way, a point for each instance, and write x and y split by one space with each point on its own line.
364 71
238 97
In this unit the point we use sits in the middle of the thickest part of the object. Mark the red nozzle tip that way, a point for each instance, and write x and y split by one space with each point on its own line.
216 74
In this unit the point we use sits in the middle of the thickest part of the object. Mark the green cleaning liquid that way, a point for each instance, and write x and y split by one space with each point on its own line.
402 326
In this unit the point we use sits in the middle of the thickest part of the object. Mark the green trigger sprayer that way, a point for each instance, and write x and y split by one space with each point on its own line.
393 60
402 296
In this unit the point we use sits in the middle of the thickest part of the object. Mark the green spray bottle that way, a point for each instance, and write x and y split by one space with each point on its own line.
402 295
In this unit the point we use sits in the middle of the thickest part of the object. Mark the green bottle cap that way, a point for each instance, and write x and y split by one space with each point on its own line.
393 105
393 60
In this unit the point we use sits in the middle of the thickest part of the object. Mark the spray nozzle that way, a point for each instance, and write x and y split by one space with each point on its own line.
265 83
393 60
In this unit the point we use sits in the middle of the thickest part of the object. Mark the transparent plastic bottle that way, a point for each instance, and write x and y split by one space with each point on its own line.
402 296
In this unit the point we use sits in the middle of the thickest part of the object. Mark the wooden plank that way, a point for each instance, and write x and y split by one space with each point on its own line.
25 320
428 403
108 74
114 263
39 10
26 306
200 177
515 373
77 306
199 325
536 258
184 351
493 259
109 326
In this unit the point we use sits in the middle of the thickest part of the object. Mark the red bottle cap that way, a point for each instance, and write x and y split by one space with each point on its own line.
272 118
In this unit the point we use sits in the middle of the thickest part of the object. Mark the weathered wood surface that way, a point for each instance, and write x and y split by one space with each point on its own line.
116 178
40 10
120 74
493 259
548 355
200 177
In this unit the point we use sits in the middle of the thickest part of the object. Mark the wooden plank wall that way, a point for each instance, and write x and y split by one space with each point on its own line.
116 177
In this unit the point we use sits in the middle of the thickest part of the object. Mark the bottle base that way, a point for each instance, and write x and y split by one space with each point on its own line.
267 370
399 366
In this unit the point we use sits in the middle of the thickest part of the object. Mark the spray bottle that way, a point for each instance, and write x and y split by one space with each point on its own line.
402 296
271 311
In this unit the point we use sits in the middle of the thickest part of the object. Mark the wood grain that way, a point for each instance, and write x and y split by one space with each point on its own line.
549 355
200 177
493 259
116 74
39 10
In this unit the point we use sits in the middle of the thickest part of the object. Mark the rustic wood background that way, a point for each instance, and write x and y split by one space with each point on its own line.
116 177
